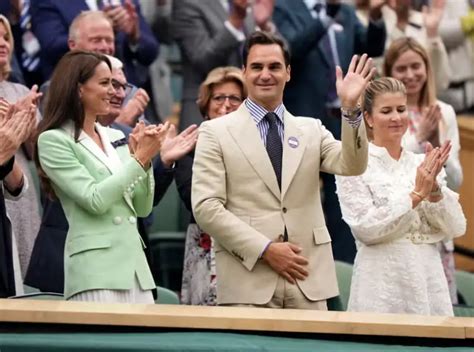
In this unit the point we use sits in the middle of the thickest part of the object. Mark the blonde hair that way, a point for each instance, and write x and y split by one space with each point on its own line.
401 46
216 77
85 15
375 89
5 71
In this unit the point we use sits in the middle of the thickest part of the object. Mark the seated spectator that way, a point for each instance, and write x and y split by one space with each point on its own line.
430 121
221 93
398 210
135 45
24 212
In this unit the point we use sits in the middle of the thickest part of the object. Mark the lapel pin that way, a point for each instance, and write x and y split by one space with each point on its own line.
293 142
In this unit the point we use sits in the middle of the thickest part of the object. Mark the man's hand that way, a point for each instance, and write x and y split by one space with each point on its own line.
283 257
174 146
351 87
262 12
125 19
134 108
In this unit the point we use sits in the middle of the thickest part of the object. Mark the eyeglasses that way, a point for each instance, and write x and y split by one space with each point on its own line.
127 87
234 100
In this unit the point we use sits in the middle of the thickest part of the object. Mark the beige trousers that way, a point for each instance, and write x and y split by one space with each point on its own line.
287 296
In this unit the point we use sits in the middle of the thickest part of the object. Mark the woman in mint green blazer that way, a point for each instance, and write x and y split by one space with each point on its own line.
102 186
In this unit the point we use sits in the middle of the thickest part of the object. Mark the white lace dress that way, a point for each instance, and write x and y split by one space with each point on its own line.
398 267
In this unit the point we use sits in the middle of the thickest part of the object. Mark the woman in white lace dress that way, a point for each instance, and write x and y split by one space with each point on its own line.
429 120
398 210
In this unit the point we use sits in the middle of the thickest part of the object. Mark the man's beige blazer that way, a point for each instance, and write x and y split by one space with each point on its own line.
236 199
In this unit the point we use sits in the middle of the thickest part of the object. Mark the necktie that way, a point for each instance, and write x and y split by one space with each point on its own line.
30 57
326 44
274 145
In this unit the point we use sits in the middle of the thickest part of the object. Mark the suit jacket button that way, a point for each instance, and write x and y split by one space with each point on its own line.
132 220
117 220
284 210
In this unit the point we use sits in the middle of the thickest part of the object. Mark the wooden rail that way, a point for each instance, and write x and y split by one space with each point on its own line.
234 318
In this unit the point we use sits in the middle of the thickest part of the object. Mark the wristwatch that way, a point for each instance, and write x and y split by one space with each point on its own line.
352 112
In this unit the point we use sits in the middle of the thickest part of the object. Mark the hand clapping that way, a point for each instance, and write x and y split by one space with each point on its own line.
428 170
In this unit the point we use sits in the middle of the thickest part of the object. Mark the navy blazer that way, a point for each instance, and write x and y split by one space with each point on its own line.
50 24
305 94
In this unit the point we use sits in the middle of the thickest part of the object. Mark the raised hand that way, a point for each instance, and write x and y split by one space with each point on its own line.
432 17
174 147
351 87
284 258
428 128
31 98
262 12
134 108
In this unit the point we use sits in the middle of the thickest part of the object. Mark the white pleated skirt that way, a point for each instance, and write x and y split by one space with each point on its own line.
134 295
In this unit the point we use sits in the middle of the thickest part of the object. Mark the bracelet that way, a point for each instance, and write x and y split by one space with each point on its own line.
351 112
418 194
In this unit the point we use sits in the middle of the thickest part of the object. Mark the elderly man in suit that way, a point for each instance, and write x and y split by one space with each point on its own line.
256 187
210 33
134 43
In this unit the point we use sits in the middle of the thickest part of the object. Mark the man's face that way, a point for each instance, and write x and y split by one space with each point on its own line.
266 74
120 84
95 35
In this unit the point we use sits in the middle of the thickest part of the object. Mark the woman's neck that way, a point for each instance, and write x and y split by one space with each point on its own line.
89 125
394 148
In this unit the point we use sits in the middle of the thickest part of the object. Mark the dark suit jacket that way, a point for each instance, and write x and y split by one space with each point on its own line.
51 20
46 268
205 43
306 92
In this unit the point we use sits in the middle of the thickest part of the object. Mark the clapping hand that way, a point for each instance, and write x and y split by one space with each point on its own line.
428 128
262 12
16 126
174 147
145 141
428 170
31 98
351 87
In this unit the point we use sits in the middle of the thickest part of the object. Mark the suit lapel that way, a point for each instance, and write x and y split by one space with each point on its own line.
247 137
294 145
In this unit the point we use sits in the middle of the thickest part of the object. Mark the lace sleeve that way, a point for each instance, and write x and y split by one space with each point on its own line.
375 213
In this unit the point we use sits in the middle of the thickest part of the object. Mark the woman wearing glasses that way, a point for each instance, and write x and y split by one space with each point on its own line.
221 93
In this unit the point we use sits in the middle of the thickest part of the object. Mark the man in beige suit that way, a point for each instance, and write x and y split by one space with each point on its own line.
256 186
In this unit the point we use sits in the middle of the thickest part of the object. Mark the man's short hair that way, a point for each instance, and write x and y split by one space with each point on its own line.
265 38
85 15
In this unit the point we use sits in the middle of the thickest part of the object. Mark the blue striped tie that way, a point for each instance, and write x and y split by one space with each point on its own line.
30 57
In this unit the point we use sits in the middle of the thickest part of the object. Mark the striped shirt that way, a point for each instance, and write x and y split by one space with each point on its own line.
258 115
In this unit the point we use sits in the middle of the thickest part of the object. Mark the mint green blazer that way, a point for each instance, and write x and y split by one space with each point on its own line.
102 195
